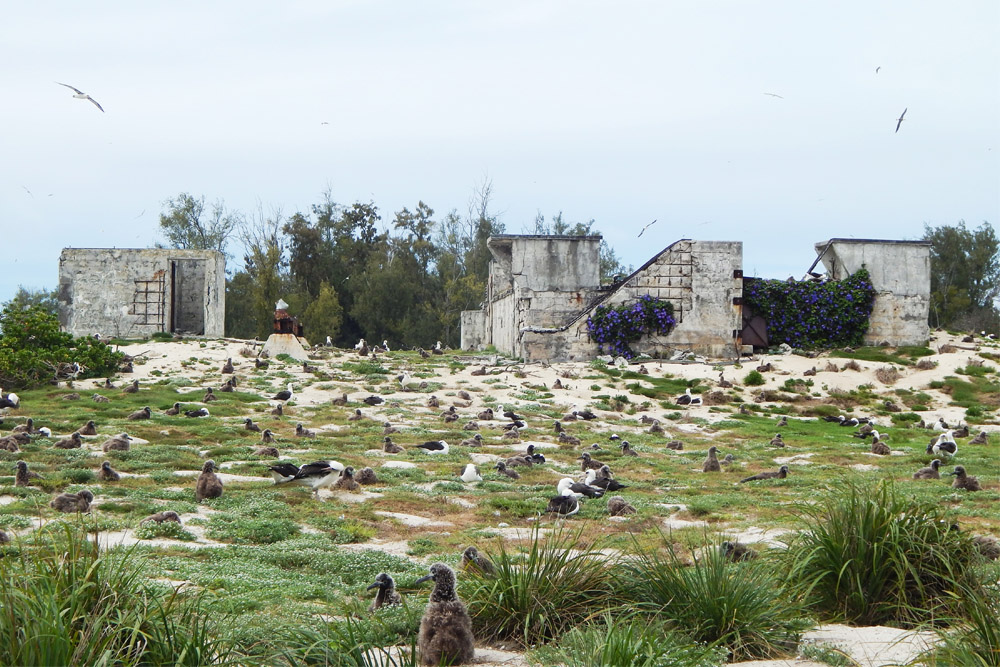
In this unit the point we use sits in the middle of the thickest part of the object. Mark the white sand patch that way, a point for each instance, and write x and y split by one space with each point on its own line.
756 535
797 662
413 520
7 500
392 547
673 523
461 502
796 460
485 459
404 465
518 533
873 646
864 467
348 497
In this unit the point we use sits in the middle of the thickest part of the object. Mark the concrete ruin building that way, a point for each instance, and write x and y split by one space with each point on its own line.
135 292
542 289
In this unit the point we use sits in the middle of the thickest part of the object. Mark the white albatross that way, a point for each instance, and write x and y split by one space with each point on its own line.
80 95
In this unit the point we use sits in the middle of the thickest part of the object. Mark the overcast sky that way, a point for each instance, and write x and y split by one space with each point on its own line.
772 123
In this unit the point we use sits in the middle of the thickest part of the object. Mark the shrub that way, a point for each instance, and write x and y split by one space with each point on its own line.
619 326
754 379
887 375
871 555
812 315
540 594
32 345
744 607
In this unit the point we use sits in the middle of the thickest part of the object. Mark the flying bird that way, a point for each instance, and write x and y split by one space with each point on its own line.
645 228
899 121
775 95
80 95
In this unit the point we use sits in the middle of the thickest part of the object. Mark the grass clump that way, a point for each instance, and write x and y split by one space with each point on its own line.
754 379
977 641
73 604
632 641
872 555
535 596
743 607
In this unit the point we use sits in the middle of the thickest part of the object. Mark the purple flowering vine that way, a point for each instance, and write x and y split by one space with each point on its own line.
616 327
812 315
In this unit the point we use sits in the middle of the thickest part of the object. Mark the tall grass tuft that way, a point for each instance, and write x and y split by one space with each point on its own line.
534 596
871 555
65 602
743 607
611 641
349 642
974 643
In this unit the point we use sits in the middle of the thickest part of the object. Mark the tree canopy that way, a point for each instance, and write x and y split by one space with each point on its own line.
965 276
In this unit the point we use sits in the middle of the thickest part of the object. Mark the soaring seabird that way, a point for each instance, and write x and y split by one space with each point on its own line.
80 95
434 446
386 595
899 121
208 485
445 636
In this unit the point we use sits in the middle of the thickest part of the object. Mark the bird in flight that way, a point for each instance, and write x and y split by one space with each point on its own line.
775 95
899 121
877 69
80 95
645 228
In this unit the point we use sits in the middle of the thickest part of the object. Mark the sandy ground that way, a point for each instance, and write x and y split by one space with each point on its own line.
870 647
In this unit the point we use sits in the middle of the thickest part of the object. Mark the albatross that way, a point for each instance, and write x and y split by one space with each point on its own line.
80 95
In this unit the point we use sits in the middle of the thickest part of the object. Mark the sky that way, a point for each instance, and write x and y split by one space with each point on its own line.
770 123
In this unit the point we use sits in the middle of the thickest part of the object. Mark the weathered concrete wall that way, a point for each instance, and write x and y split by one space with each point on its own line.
701 280
473 329
140 291
900 273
